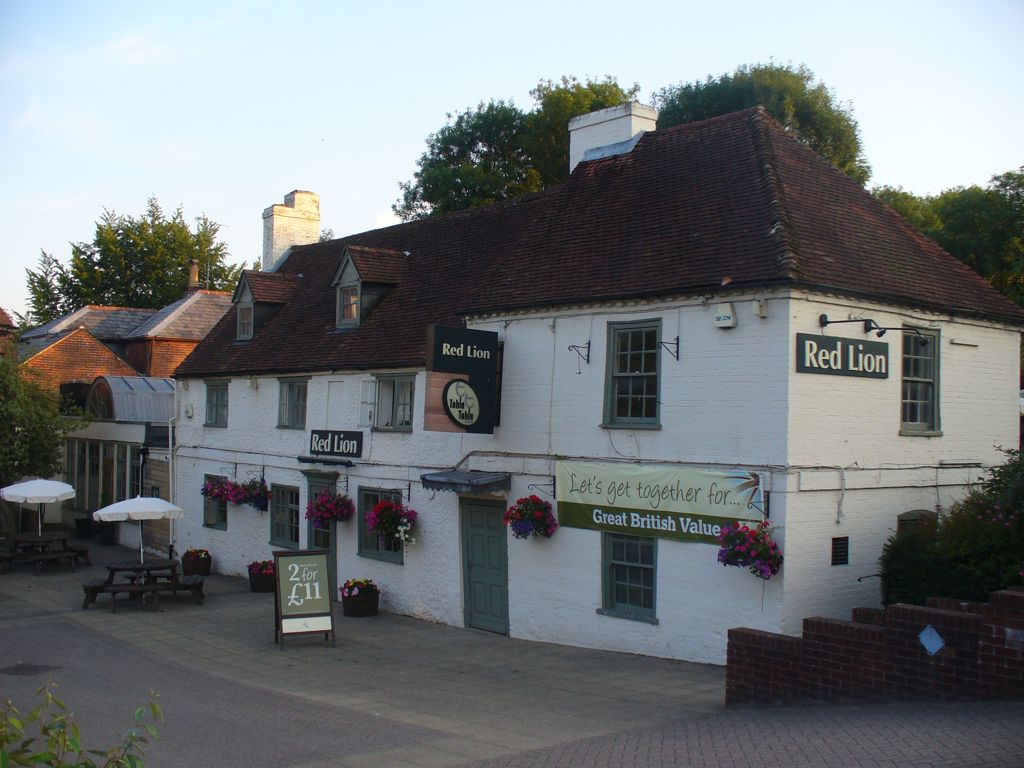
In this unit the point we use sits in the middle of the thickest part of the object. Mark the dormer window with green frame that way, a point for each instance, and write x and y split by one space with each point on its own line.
348 305
245 313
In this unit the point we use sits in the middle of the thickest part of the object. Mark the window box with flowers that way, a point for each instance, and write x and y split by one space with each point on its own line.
531 516
252 492
359 597
750 548
328 506
196 562
391 519
261 576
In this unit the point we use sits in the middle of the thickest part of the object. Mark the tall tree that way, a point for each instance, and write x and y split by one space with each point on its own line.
32 428
805 108
497 151
132 261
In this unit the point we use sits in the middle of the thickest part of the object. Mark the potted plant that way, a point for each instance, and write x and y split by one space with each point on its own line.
328 506
196 562
261 576
751 548
359 597
392 519
531 516
257 494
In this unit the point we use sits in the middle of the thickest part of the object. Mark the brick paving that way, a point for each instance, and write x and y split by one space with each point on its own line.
400 692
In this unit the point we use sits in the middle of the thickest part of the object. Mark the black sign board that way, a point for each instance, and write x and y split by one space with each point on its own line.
303 603
461 350
331 442
837 356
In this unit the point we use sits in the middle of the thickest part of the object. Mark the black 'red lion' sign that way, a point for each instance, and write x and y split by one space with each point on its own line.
837 356
469 402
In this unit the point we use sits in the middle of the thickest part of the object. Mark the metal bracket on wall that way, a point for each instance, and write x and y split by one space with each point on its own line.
667 344
548 489
578 349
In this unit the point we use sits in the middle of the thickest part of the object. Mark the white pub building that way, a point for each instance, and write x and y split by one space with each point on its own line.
703 324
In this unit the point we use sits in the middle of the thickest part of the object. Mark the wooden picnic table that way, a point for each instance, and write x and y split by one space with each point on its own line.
148 577
39 548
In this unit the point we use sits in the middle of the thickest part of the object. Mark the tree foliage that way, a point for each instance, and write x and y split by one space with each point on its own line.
131 262
497 151
32 429
805 108
981 226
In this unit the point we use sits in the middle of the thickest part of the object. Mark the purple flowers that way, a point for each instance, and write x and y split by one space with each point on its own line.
751 548
327 506
252 492
531 516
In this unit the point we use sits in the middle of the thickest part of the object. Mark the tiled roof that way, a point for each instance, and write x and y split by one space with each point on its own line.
732 197
105 323
5 319
378 265
271 287
190 317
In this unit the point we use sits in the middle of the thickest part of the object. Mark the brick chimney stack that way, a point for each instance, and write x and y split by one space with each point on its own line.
297 222
193 276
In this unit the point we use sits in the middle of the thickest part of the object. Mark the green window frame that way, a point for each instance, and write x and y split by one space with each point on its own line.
215 511
216 404
395 401
348 306
629 569
919 394
244 314
633 375
372 544
284 516
291 410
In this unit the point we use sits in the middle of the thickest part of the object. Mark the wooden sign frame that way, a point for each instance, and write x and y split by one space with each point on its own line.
303 592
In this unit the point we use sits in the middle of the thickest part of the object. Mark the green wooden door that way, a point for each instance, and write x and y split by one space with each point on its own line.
485 566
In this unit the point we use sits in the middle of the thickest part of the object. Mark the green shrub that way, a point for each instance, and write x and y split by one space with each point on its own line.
59 743
971 549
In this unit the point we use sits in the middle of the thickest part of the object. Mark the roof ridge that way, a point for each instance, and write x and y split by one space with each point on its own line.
781 231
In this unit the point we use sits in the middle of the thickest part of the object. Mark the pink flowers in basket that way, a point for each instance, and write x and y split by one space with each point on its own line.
751 548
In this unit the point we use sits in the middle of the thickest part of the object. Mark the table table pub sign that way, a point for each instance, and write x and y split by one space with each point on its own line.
303 594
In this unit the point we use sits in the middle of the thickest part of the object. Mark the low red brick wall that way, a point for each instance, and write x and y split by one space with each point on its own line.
878 655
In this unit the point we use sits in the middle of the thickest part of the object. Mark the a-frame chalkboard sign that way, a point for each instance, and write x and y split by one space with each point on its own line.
303 603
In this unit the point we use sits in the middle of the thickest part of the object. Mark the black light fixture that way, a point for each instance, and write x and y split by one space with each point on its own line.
870 325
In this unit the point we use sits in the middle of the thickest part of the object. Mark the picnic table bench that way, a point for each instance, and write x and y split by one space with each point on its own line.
39 548
144 578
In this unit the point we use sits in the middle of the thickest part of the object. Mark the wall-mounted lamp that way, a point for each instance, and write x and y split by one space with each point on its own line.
823 321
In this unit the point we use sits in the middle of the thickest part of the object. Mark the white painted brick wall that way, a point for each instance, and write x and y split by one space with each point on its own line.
733 398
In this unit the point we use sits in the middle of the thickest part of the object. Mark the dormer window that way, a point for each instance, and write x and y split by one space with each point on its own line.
245 320
348 305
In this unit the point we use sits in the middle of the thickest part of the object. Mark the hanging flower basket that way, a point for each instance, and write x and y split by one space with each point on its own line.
252 492
329 506
751 548
531 516
359 597
392 519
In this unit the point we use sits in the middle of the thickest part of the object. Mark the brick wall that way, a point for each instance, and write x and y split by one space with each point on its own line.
878 656
78 357
158 357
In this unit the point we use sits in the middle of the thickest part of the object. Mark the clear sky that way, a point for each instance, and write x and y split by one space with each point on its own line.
224 107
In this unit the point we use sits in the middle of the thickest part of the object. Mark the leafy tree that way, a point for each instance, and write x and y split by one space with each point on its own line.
497 151
805 108
132 262
32 429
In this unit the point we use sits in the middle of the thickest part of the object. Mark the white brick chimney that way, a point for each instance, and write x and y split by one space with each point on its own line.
297 222
610 129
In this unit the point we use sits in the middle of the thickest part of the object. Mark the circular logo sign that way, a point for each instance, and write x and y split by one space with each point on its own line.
461 403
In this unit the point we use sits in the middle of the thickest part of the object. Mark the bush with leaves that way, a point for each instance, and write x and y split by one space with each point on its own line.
58 743
974 547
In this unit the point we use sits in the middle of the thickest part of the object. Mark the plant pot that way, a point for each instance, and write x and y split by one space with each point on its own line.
83 527
196 566
363 604
261 582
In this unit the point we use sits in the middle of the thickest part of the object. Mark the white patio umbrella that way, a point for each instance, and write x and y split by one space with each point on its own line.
140 508
38 491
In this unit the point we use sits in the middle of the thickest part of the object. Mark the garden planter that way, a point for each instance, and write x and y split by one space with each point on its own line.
196 566
261 582
363 604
